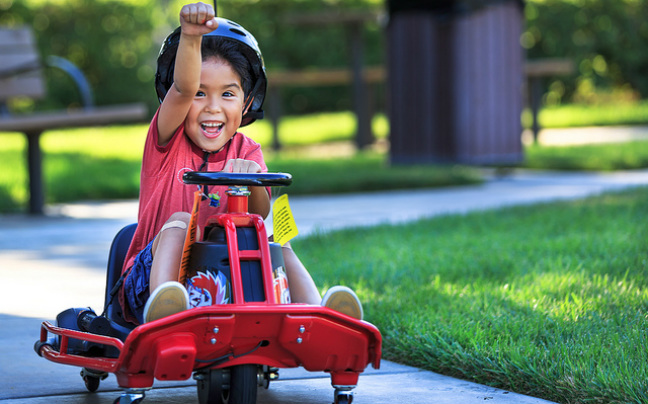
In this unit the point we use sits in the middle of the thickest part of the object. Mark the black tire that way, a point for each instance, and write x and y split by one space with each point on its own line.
136 401
91 383
243 384
212 389
343 398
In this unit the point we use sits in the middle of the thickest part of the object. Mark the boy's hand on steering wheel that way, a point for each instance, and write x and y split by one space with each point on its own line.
241 166
197 19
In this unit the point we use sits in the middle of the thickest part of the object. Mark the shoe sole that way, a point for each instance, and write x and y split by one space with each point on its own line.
344 301
169 300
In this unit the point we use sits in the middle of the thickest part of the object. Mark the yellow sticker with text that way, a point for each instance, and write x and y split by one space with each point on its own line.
283 221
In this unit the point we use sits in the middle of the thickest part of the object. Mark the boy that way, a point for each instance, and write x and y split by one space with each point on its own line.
210 81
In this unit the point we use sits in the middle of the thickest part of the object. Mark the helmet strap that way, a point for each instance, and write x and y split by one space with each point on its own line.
251 97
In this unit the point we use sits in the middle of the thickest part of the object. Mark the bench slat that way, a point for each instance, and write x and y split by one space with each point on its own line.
97 116
16 37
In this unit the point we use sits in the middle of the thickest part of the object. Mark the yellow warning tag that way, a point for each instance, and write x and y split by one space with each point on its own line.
283 221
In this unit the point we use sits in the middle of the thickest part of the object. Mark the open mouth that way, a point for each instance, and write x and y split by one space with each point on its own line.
211 129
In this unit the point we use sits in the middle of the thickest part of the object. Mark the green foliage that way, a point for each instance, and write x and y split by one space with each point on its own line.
110 41
115 43
289 45
548 300
605 38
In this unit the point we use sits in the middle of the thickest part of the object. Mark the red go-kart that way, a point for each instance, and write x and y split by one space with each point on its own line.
232 346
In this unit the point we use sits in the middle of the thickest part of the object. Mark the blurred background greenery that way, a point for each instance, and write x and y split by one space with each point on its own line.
115 43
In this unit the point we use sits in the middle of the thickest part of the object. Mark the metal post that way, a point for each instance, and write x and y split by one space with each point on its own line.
274 110
35 172
364 136
535 97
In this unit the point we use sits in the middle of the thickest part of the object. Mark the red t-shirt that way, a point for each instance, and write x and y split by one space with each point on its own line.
162 191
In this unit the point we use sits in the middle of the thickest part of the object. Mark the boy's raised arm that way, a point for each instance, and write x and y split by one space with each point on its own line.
196 20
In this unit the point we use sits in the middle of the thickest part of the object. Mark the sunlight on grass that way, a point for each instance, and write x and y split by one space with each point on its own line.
103 162
573 115
95 152
547 300
126 142
13 174
313 129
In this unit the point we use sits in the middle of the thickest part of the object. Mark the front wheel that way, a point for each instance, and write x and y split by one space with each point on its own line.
234 385
212 388
243 384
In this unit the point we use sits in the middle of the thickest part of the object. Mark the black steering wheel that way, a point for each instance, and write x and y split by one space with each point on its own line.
241 179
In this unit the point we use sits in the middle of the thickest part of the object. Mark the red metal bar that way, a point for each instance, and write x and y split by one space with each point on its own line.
85 336
249 255
61 356
235 264
265 258
237 204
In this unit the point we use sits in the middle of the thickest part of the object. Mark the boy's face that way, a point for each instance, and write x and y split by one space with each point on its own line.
216 112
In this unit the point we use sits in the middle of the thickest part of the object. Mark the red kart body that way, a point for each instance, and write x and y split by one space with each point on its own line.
224 336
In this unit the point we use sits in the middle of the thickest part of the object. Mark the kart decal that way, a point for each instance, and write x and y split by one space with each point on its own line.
214 199
280 284
205 289
190 238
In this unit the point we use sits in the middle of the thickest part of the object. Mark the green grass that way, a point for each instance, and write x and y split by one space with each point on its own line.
312 129
596 157
548 300
575 115
103 163
366 172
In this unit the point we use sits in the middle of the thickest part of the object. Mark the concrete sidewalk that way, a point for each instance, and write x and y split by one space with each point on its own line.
58 261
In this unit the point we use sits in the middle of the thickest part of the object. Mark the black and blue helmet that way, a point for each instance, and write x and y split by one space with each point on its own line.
247 45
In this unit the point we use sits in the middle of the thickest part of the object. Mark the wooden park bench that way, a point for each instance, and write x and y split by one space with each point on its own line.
21 76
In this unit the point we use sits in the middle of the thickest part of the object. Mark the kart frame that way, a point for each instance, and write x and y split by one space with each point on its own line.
267 334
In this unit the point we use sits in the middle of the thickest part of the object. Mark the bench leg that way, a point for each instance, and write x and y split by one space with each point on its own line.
364 136
35 171
535 98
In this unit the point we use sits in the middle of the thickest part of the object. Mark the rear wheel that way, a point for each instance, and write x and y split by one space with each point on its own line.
92 378
91 383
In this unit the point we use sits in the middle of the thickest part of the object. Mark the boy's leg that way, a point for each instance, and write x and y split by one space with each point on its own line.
167 250
303 289
301 284
167 295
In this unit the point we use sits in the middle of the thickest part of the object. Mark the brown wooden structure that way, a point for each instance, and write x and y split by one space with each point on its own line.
456 77
353 23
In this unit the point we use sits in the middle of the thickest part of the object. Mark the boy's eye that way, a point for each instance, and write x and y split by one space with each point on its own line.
200 93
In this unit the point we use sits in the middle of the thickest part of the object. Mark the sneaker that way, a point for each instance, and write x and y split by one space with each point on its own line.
343 300
167 299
